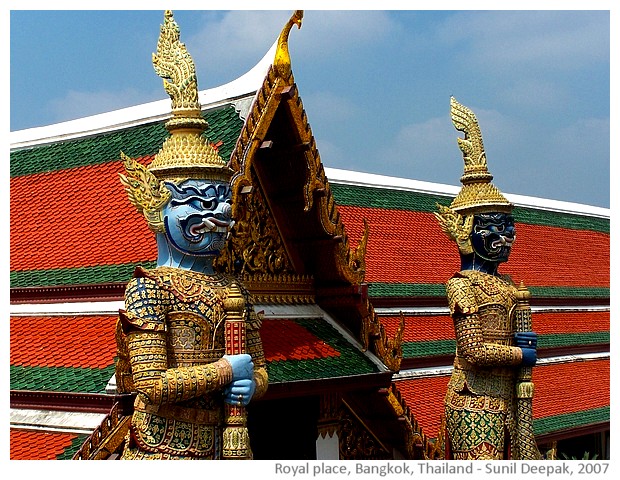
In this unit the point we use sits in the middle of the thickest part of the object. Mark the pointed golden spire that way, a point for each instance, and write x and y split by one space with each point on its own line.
282 61
478 193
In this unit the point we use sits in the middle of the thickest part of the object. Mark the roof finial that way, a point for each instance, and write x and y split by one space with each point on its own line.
282 61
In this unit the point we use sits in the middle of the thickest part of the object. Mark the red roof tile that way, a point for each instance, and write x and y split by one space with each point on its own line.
38 445
99 226
560 389
70 341
287 340
570 322
423 254
439 327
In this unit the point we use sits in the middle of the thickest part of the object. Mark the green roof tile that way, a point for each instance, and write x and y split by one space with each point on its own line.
448 347
76 276
76 444
372 197
351 360
60 379
571 420
224 125
378 289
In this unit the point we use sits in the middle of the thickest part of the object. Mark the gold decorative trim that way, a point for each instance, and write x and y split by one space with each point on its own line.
255 246
477 193
107 438
279 86
280 289
357 442
418 445
373 336
330 408
282 61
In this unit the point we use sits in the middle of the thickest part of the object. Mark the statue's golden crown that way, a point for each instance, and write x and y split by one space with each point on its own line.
478 194
186 153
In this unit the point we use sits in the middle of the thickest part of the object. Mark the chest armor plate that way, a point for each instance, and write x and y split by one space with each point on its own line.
195 320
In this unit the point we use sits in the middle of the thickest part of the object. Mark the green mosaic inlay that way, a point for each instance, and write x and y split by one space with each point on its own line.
350 361
76 276
372 197
570 420
224 125
76 444
428 349
60 379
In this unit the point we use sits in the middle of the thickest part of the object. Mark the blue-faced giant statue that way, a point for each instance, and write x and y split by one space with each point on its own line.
488 403
188 338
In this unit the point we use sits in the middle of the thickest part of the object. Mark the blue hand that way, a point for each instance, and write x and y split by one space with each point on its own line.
529 357
526 339
242 366
240 392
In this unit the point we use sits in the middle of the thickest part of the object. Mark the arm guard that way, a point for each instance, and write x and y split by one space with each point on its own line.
145 327
471 346
160 384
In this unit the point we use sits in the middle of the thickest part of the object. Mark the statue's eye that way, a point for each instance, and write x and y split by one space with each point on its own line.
208 204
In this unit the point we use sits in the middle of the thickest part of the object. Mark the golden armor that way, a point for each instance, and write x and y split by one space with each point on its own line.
485 416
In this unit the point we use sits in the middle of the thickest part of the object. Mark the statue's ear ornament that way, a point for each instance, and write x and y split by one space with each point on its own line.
145 192
457 227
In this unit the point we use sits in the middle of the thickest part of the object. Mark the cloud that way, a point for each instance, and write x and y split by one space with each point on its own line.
333 156
230 43
428 150
227 44
333 33
548 40
329 108
77 104
533 94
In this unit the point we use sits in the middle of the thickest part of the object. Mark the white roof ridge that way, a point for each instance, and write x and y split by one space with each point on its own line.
243 86
349 177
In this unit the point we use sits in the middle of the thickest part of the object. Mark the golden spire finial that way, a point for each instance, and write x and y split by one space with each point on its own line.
282 61
175 66
477 193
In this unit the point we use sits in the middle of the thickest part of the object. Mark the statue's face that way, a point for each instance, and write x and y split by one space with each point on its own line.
492 236
198 216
